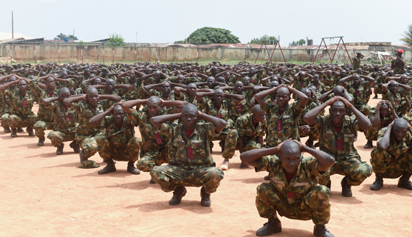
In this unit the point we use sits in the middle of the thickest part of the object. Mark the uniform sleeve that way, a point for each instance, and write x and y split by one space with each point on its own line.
210 129
354 124
240 126
76 107
166 129
267 163
319 124
134 117
51 106
297 110
104 122
312 164
381 133
35 87
69 83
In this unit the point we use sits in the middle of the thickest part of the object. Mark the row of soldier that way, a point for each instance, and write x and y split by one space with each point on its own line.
181 108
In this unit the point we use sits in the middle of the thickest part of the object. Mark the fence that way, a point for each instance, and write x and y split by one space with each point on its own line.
63 52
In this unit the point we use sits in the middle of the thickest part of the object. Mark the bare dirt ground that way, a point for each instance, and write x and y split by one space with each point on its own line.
47 195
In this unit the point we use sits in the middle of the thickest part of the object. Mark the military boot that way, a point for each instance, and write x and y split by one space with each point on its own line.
110 167
376 96
13 132
368 145
271 227
41 141
75 146
29 130
321 231
205 202
7 130
404 181
19 129
346 188
378 184
178 194
309 143
60 149
329 184
152 181
131 169
222 145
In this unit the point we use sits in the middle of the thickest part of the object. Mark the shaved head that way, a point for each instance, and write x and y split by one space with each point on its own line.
154 100
256 109
400 123
290 147
189 108
284 90
91 90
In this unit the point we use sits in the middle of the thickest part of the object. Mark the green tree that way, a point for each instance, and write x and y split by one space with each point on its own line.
407 36
62 36
116 40
268 40
210 35
298 43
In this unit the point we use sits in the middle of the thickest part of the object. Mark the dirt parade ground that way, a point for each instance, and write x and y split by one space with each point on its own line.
47 195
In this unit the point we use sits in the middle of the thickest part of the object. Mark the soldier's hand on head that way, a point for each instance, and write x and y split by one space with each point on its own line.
332 100
391 124
345 101
380 103
301 146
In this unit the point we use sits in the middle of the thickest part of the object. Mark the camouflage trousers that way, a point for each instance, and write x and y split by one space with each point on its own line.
153 158
89 146
250 144
377 90
5 120
230 137
19 122
41 125
108 150
355 170
372 134
170 176
402 110
314 205
363 108
390 167
57 138
313 134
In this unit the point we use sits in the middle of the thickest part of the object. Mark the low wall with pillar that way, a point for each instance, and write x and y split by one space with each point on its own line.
100 52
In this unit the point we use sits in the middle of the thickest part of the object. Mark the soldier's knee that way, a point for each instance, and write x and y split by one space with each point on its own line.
322 191
39 125
263 188
216 173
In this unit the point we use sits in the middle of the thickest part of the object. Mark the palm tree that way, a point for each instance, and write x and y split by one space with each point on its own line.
407 36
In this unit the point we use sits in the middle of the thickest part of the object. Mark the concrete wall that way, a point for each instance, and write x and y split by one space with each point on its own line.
52 52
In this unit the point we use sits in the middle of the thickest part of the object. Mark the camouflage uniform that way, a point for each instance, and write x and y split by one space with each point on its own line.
191 163
45 117
313 133
320 88
167 109
21 114
356 63
328 82
360 96
229 134
283 126
301 198
379 80
133 93
396 160
397 69
106 103
119 143
348 161
372 133
65 124
86 134
398 102
237 110
154 149
6 109
249 133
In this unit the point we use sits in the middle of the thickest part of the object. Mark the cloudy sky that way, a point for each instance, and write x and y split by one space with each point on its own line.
162 21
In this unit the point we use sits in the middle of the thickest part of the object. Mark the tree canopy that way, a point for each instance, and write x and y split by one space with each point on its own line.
298 43
407 36
210 35
62 36
115 40
268 40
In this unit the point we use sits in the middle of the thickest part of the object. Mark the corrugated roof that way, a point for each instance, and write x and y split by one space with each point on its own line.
6 36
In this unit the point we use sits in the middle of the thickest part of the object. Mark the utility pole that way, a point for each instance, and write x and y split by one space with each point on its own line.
12 25
73 33
136 37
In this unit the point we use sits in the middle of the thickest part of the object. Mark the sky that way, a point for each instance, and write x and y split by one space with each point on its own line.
166 21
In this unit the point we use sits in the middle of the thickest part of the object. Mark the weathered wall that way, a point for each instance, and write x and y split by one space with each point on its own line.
52 52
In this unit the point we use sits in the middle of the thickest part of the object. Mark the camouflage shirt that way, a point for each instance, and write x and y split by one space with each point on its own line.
384 122
64 118
190 152
150 141
86 112
209 107
20 105
184 97
396 149
360 94
396 100
306 178
356 63
43 113
247 129
339 145
397 66
119 137
283 126
237 110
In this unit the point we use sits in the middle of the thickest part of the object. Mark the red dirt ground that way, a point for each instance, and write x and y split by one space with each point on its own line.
47 195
